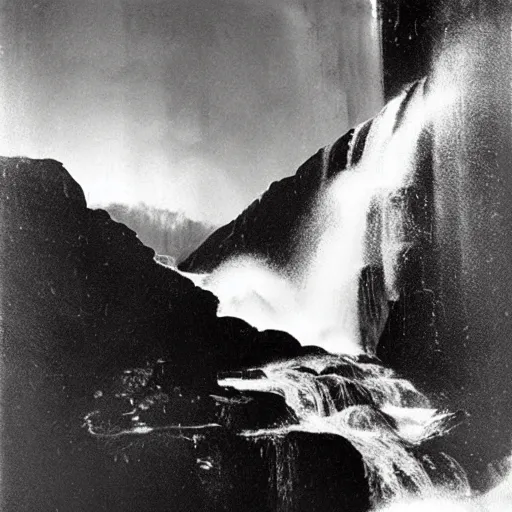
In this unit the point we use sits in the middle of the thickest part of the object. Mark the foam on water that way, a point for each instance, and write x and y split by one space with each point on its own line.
386 430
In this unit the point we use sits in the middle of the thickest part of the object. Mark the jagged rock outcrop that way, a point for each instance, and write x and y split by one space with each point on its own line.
82 292
81 300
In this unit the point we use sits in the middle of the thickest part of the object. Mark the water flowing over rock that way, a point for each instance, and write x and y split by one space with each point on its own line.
393 241
386 256
386 425
314 440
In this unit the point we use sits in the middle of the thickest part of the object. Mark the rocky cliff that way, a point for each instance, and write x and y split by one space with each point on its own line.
272 226
83 302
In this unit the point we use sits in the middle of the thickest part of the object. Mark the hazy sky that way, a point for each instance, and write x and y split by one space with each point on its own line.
184 104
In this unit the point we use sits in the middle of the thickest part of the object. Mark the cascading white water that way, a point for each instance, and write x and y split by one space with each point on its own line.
363 219
360 220
384 417
498 499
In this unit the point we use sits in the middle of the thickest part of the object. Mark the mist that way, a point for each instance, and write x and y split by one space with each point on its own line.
186 105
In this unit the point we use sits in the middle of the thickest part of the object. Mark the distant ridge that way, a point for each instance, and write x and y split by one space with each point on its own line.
167 232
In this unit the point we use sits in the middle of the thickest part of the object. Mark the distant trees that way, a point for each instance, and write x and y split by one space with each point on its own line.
167 232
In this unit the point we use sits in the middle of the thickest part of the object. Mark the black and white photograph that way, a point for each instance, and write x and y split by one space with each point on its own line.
256 255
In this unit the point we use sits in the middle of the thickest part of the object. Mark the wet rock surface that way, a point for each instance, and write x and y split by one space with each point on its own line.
434 304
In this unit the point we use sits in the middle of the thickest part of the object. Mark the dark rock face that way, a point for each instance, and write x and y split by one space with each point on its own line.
82 301
454 316
254 410
99 300
297 473
253 348
266 229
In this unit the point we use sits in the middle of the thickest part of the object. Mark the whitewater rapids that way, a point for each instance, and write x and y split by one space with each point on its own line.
384 417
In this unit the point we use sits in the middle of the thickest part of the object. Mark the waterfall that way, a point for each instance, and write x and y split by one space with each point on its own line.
384 418
352 261
335 293
367 222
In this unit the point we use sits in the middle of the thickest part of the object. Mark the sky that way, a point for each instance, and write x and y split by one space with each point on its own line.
190 105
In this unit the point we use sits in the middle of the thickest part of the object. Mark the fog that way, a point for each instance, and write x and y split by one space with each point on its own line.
189 105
